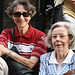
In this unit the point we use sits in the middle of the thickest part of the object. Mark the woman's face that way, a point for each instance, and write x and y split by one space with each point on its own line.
71 3
21 17
60 39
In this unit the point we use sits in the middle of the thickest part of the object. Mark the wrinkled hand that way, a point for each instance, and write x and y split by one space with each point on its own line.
1 53
3 50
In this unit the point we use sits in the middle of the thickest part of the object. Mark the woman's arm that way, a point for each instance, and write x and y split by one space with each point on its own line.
27 62
1 53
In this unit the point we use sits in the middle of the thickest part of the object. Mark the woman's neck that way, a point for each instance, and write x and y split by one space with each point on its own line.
60 57
23 30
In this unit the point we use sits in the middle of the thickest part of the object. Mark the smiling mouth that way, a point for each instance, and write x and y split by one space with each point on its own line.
21 21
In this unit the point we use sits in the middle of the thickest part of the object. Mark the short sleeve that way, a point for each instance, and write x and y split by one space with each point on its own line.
40 48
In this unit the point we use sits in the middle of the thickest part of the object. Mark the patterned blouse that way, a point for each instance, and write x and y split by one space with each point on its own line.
49 68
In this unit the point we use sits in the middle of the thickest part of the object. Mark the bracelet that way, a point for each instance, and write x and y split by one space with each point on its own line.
10 53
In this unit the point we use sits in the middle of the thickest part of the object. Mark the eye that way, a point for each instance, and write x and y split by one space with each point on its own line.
62 36
25 14
54 36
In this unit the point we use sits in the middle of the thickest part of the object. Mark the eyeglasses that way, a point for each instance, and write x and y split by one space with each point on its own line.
18 14
61 36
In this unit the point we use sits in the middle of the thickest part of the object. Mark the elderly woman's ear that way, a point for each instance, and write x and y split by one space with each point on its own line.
70 39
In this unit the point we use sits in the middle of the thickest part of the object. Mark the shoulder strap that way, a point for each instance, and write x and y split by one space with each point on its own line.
12 34
14 48
73 70
70 72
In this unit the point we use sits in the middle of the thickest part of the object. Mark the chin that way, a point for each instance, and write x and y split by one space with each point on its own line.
58 49
22 25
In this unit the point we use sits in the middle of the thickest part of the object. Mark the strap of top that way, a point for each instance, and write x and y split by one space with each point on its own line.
70 72
12 34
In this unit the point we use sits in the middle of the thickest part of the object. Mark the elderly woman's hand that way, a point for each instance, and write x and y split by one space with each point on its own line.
3 50
1 53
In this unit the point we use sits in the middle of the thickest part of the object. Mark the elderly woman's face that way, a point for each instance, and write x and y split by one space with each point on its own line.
60 39
71 3
21 16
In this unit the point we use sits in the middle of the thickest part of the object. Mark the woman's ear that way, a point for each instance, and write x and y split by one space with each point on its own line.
70 38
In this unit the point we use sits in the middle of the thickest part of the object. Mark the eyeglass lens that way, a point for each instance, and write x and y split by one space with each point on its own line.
18 14
61 36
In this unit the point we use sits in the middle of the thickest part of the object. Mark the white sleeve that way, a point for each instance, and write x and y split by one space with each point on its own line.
68 18
3 67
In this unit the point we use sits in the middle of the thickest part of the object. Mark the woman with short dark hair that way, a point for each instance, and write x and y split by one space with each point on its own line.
28 40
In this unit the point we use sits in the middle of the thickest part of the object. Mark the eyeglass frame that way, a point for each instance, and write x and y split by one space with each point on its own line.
61 36
19 14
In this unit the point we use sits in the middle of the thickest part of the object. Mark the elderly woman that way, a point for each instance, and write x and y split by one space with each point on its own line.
61 38
28 40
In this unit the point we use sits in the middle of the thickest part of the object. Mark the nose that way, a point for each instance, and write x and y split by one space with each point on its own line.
21 16
72 0
58 38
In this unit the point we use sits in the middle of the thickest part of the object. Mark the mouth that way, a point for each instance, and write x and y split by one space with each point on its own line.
21 21
73 3
58 45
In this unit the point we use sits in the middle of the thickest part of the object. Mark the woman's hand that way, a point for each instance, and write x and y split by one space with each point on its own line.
1 53
3 50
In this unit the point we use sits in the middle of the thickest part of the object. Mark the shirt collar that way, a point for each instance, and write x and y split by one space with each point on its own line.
67 59
27 34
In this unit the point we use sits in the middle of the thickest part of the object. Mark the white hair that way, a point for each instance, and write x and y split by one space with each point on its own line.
71 31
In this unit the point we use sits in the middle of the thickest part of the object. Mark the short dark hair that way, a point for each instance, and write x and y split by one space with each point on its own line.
29 7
